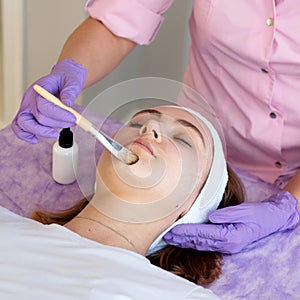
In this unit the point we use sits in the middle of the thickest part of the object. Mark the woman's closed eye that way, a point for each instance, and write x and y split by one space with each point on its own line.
183 141
135 124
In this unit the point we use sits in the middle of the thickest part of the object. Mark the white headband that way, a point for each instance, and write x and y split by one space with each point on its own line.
211 193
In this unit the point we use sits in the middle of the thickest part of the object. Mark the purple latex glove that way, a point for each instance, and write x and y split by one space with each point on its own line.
39 117
237 226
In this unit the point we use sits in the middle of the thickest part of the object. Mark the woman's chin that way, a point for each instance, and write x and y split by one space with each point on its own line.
142 168
145 173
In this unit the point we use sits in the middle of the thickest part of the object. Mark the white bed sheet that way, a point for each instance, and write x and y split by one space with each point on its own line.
51 262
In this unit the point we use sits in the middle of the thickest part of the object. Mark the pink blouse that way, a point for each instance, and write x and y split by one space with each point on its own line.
245 61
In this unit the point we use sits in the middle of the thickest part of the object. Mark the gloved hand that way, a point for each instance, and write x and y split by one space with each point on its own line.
39 117
237 226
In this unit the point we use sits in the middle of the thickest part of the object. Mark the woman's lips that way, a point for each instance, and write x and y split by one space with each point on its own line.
144 145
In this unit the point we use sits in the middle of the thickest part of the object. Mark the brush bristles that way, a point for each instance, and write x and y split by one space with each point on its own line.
127 156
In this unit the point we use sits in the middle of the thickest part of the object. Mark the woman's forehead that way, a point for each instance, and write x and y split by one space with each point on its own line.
181 114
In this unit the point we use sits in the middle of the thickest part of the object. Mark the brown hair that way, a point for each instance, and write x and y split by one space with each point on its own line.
201 267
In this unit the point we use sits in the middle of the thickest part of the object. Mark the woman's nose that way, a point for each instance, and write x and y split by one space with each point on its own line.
152 128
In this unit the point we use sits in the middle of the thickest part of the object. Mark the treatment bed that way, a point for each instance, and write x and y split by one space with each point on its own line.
267 269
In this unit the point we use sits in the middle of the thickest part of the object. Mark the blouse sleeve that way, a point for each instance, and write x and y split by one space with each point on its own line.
137 20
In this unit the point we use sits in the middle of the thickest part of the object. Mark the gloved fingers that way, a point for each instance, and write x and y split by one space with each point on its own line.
29 125
226 239
51 83
242 213
202 231
203 244
23 135
49 122
70 92
221 246
68 96
185 241
186 244
46 113
72 77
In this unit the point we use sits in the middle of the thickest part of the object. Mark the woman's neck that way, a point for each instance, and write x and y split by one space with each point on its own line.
92 224
112 230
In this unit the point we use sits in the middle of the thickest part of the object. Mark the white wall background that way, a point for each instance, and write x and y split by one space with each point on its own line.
11 54
33 32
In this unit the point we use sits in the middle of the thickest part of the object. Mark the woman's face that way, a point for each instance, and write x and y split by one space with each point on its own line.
175 153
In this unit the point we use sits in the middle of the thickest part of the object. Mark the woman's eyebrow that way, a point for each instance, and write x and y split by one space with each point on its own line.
190 125
149 111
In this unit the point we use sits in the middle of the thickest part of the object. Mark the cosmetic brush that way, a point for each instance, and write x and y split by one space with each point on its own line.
119 151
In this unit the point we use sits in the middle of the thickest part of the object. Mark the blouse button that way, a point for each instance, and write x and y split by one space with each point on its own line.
270 21
278 164
273 115
264 70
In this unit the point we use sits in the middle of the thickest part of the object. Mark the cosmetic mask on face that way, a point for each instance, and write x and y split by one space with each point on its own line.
174 172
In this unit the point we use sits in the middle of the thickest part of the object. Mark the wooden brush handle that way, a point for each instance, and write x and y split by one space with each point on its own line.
80 120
